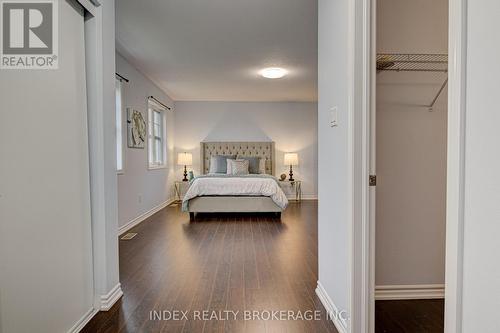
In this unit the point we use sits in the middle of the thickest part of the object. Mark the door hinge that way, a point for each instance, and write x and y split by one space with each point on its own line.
373 180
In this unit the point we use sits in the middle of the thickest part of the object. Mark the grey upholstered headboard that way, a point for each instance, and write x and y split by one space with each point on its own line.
259 149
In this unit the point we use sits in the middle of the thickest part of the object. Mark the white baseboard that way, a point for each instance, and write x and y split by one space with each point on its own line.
123 229
80 324
108 300
418 291
331 308
304 197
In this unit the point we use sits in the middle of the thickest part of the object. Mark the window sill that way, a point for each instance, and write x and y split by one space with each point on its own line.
156 167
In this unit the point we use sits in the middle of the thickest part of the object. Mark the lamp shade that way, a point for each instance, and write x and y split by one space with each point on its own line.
291 159
185 159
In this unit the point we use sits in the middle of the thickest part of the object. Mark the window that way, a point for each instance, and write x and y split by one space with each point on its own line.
119 130
157 146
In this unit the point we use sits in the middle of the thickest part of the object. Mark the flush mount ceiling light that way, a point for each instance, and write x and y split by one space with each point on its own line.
273 72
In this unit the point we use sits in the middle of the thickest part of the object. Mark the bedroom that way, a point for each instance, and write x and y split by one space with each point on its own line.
214 108
192 166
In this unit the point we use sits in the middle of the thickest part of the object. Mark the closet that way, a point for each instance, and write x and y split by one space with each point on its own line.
411 133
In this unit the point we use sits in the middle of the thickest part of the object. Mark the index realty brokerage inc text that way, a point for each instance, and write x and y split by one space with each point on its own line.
179 315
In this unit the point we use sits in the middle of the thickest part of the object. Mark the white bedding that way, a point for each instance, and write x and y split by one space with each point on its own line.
248 185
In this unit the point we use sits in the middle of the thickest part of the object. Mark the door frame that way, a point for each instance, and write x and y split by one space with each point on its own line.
457 49
365 252
100 83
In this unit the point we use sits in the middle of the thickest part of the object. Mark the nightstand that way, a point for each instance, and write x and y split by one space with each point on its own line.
180 188
295 185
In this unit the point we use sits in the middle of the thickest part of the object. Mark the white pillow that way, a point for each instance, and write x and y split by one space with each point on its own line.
262 165
237 167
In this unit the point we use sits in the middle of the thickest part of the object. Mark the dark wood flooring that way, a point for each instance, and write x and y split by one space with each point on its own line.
409 316
234 262
220 262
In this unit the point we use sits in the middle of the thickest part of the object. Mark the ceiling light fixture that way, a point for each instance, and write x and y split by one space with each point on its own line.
273 72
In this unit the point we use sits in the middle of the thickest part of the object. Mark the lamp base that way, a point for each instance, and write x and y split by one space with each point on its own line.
291 175
185 179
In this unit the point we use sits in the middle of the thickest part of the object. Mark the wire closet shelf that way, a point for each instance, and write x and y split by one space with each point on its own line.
415 62
401 62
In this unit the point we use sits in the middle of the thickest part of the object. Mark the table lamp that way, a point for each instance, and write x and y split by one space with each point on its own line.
291 159
185 159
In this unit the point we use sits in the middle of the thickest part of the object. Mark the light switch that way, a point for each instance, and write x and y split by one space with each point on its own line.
334 117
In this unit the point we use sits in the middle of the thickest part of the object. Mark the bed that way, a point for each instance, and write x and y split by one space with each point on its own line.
220 193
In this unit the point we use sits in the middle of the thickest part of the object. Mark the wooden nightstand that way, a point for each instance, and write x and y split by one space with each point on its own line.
180 189
295 185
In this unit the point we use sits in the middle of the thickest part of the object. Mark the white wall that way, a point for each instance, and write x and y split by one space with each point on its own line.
411 148
333 216
481 280
140 189
292 126
45 236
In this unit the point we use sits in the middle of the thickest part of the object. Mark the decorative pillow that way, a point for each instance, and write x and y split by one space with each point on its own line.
229 167
237 167
262 166
218 163
253 163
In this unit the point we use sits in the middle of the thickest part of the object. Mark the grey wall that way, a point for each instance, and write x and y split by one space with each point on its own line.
333 217
45 234
140 189
411 148
481 287
292 126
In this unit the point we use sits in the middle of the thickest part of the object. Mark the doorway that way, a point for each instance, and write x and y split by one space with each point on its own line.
411 158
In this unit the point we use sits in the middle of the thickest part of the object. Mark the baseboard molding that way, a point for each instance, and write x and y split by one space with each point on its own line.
304 197
418 291
80 324
331 308
108 300
123 229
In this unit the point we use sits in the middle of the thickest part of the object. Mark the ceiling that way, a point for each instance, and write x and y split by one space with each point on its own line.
201 50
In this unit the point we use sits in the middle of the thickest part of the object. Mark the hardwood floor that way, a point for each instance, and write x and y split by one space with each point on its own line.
235 262
409 316
220 262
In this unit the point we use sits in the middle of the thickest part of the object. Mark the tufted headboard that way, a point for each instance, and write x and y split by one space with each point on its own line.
259 149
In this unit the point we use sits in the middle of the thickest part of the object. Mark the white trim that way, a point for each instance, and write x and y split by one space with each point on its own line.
80 324
100 76
372 168
88 6
124 228
108 300
123 128
456 165
331 308
361 196
305 197
154 106
308 197
400 292
156 167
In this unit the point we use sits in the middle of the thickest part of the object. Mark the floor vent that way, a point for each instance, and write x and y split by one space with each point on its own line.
129 236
